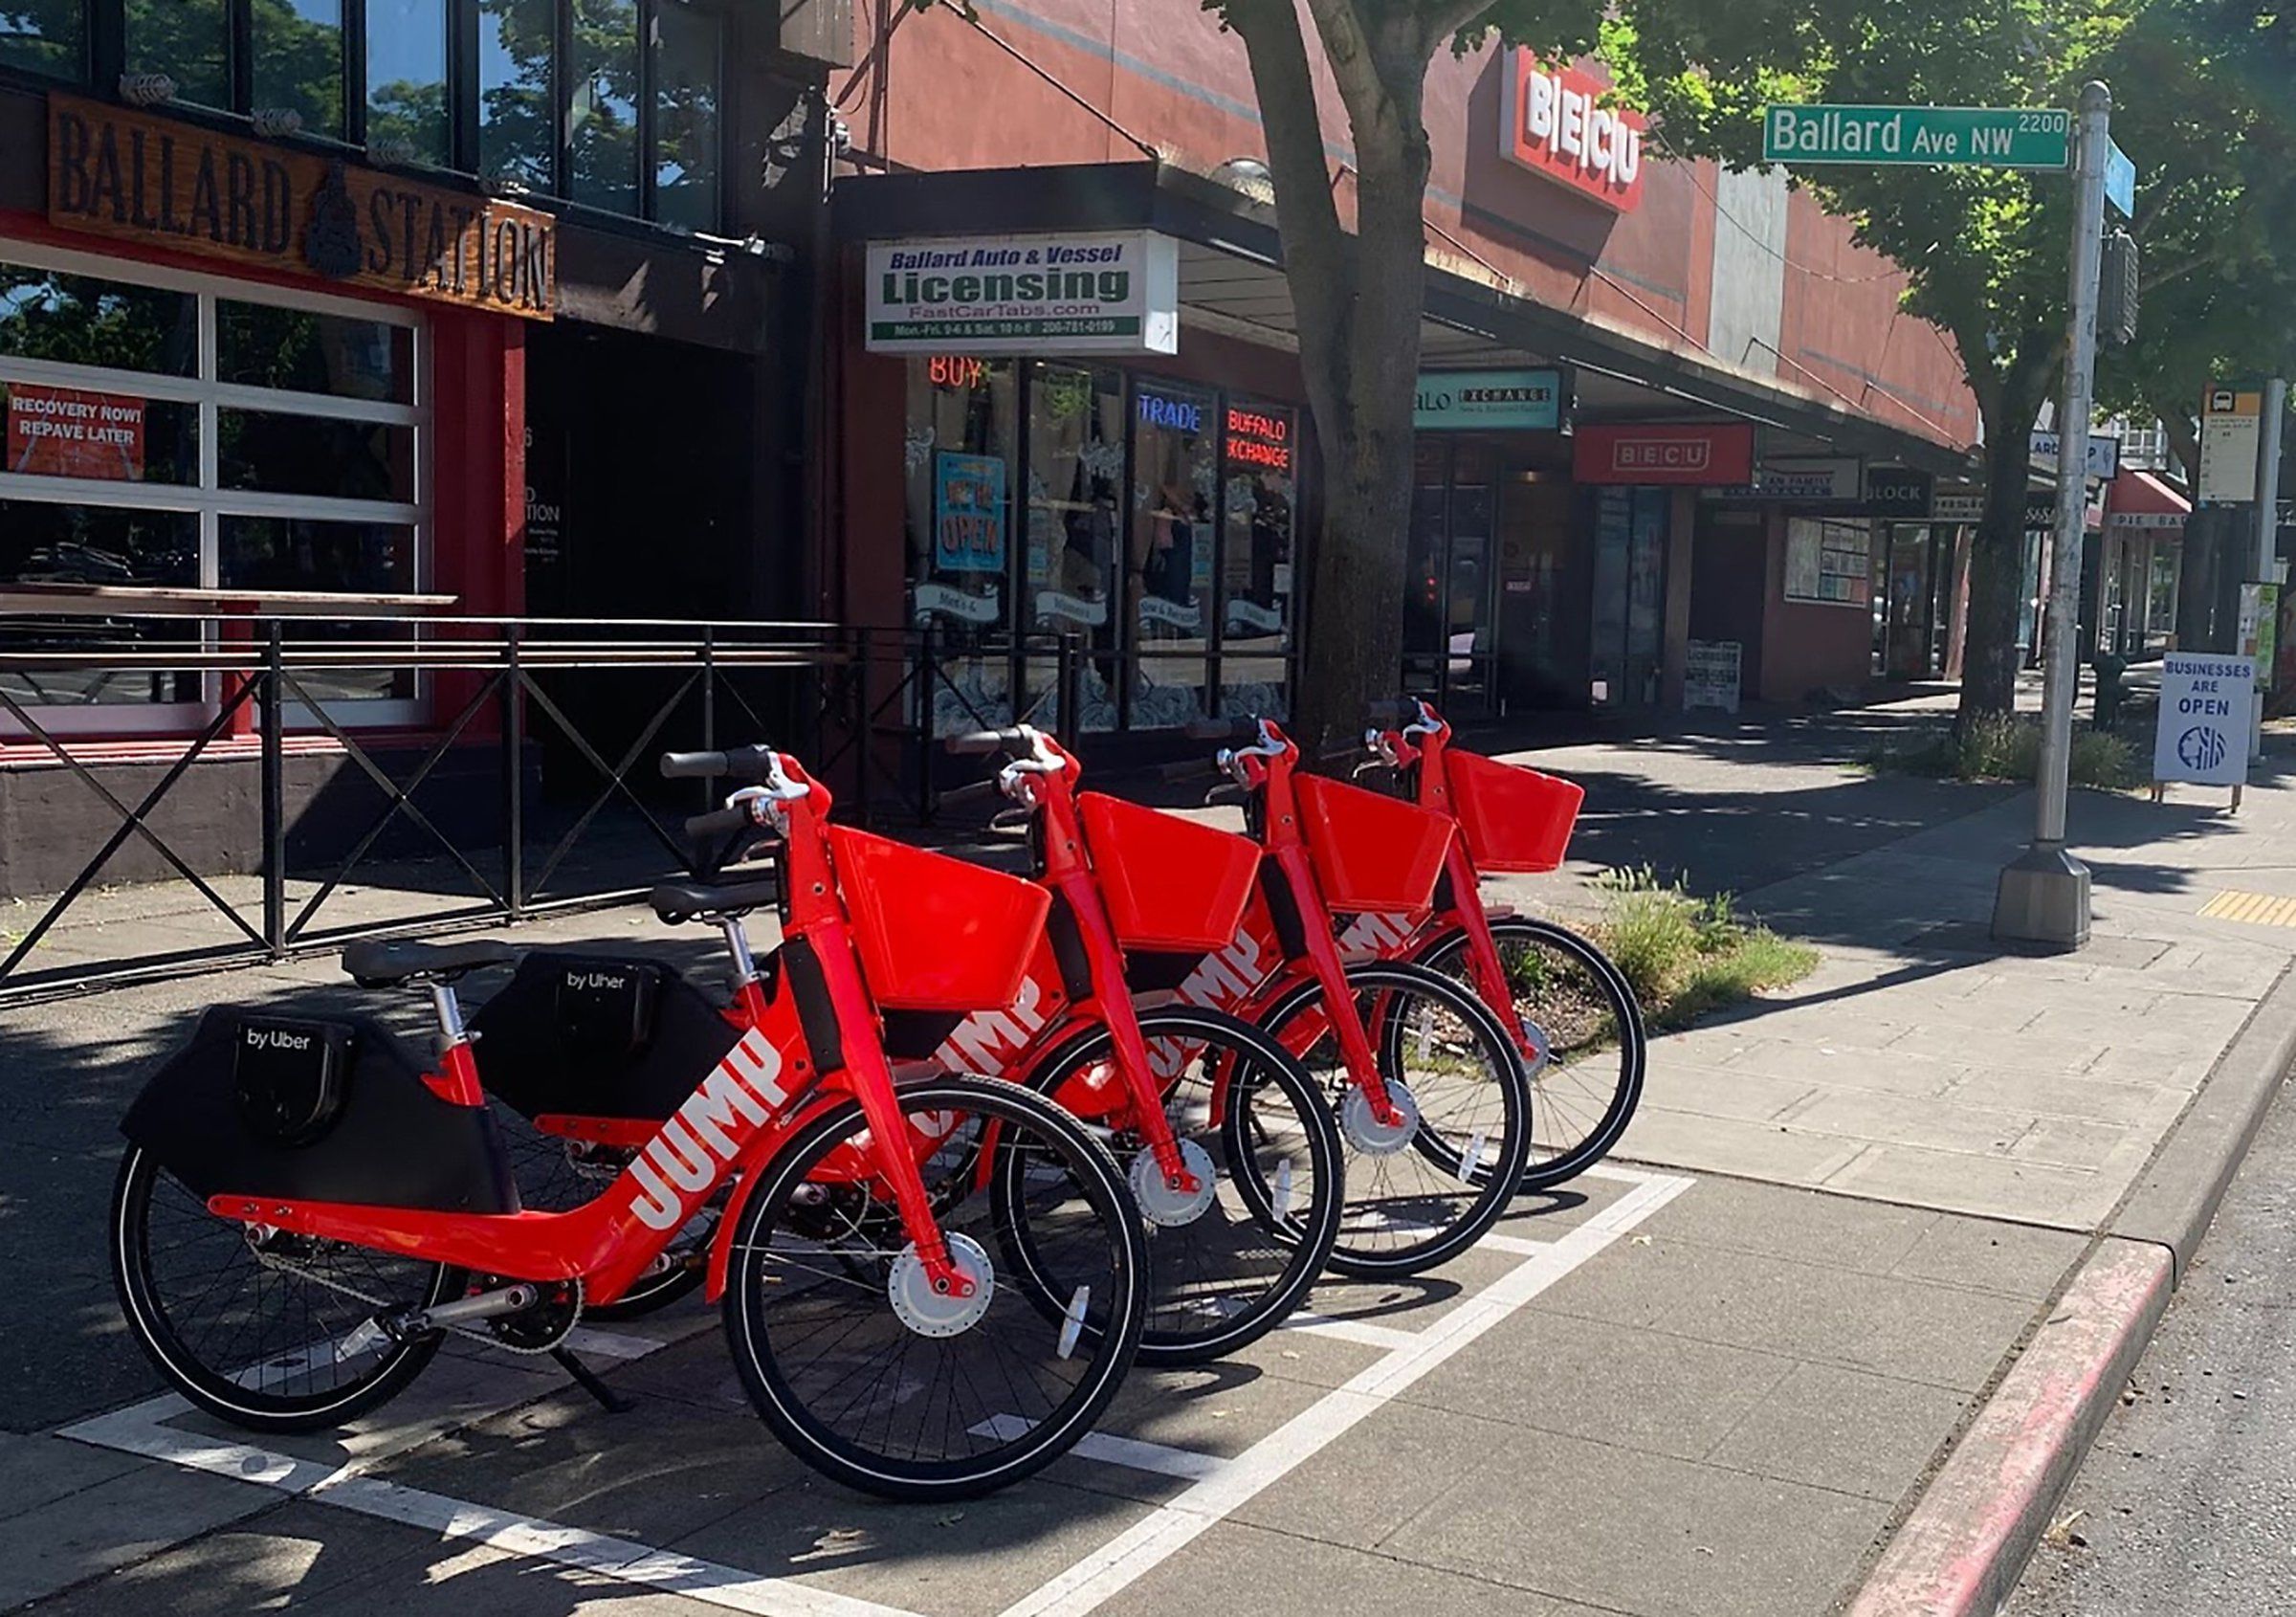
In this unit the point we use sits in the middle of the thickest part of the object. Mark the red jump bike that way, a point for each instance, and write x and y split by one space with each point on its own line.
1431 1095
930 1289
1233 1153
1571 1012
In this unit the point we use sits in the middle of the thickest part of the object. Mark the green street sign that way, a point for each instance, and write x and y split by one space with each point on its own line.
1952 136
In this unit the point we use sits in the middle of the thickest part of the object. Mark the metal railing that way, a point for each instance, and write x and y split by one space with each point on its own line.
526 784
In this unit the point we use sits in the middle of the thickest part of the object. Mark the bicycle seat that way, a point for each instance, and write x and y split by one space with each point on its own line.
376 964
687 900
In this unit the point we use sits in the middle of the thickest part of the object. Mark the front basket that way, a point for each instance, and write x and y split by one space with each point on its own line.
1171 884
1513 818
1371 852
935 933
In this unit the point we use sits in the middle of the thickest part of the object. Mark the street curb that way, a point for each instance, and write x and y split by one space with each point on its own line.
1962 1550
2177 1198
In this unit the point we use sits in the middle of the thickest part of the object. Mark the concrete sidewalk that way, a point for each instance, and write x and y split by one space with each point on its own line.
1709 1380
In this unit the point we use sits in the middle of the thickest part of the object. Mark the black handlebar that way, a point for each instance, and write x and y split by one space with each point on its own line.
1011 740
1391 714
752 765
1222 729
720 822
968 793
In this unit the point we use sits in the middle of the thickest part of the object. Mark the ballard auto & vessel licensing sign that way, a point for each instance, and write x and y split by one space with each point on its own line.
1087 292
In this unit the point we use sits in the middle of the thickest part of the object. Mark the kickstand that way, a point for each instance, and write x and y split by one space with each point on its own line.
587 1378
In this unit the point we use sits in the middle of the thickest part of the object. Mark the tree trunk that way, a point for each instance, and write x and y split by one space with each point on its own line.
1996 574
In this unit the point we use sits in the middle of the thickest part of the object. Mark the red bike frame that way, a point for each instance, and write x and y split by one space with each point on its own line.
1250 977
757 1095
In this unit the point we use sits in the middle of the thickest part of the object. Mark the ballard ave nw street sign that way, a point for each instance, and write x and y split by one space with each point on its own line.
1987 137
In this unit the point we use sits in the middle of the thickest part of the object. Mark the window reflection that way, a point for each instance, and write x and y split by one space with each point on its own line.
44 37
1175 485
79 320
314 455
515 128
961 434
42 543
406 79
1256 586
263 345
686 137
602 105
284 553
1075 493
189 40
297 64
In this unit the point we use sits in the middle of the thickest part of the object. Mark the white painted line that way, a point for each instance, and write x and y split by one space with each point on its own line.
506 1531
1135 1453
1173 1526
1350 1330
1217 1487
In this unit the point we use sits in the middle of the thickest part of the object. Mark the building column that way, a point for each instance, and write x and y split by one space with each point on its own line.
1682 529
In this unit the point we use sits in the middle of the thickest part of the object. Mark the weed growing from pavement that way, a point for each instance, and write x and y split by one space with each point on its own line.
1686 956
1995 746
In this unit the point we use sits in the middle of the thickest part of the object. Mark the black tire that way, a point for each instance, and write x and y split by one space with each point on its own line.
837 1245
550 1182
236 1337
1584 1097
1474 1095
1238 1270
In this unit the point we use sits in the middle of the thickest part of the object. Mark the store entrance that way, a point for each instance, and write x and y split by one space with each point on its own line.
640 498
640 503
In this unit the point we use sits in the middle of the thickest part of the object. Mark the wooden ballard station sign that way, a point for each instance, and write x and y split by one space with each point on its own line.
168 183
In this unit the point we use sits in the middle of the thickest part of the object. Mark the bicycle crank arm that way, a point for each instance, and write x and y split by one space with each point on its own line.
464 1311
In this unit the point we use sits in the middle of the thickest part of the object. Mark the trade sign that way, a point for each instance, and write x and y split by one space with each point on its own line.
1953 136
1557 124
2201 735
1898 491
1957 503
1081 292
2104 452
1466 400
1801 479
1716 455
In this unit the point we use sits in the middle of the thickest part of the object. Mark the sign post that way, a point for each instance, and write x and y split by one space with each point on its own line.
2042 896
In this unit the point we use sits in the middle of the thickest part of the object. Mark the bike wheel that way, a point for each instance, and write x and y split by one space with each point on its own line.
1583 1098
551 1179
1419 1195
1228 1266
874 1381
257 1342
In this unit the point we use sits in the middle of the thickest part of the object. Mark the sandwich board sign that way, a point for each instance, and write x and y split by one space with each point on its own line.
2201 734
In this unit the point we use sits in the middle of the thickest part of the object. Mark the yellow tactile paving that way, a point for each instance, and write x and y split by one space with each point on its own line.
2252 909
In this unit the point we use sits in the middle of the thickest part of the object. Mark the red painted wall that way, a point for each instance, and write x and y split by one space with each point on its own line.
1806 646
1166 73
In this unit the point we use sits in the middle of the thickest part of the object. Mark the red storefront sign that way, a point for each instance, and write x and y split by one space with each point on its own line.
1555 123
1720 455
64 432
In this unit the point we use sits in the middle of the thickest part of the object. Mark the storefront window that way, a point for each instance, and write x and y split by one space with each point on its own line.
962 426
686 74
190 41
1255 584
44 37
517 131
1074 571
2167 566
602 106
103 387
81 544
406 80
297 62
263 345
292 553
1175 486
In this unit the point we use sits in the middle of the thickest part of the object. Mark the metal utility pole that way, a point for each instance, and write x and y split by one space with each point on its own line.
2267 479
2042 896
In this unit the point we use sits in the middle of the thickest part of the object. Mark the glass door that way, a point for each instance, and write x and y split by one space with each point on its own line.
1449 642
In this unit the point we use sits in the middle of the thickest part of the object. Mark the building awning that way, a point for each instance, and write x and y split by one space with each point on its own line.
2137 501
1231 276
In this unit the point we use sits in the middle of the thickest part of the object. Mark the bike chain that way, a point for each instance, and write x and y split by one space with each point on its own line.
384 1308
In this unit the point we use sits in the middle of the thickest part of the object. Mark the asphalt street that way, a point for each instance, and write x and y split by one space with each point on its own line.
2188 1501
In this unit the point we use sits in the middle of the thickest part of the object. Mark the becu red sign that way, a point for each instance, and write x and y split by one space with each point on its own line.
1720 455
1553 123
